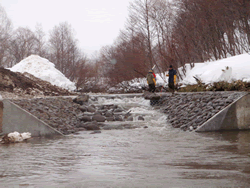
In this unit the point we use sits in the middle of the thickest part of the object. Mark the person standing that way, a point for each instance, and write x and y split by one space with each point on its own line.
171 78
151 81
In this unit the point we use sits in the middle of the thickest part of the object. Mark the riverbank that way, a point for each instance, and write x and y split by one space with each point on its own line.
70 115
186 111
189 111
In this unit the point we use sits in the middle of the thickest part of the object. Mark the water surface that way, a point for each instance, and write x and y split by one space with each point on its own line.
159 156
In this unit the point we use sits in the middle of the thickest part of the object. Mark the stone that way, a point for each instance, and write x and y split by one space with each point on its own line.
151 96
118 118
83 108
85 118
90 126
109 114
110 127
110 118
81 99
128 126
98 113
118 110
65 115
96 132
140 118
98 118
130 118
91 109
198 120
210 104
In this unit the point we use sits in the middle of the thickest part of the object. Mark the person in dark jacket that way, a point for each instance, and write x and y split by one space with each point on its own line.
151 81
171 78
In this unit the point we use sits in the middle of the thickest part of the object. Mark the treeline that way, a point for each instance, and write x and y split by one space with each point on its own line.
157 32
161 32
59 47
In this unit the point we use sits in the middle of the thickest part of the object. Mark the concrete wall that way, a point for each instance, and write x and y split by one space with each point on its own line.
17 119
1 115
236 116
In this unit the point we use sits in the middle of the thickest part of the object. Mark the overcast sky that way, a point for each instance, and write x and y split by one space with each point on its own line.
96 22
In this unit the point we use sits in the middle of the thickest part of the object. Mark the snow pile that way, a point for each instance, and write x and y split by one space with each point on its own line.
229 69
45 70
15 137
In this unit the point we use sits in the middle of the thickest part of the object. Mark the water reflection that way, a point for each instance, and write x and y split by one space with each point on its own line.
239 141
129 158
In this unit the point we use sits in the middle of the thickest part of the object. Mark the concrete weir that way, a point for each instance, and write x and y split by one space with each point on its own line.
13 118
236 116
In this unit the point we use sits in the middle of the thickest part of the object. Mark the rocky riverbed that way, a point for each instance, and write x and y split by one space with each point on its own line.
70 115
188 111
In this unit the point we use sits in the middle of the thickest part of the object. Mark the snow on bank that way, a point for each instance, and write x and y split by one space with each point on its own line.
229 69
43 69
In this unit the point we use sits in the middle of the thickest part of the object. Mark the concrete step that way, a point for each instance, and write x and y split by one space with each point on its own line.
14 118
236 116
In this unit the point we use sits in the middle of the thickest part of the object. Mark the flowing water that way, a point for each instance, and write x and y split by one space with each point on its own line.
158 156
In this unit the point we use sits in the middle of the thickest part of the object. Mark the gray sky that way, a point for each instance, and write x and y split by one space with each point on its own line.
96 22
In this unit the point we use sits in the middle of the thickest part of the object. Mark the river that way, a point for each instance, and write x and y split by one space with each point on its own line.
157 156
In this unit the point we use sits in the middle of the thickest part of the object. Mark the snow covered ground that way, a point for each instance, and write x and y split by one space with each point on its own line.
45 70
229 69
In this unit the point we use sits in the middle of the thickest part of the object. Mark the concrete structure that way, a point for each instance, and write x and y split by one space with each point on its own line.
17 119
236 116
1 115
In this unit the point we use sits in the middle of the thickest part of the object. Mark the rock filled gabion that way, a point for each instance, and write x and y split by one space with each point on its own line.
69 115
188 111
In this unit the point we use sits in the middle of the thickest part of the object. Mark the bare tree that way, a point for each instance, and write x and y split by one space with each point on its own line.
40 46
22 44
63 50
5 35
141 22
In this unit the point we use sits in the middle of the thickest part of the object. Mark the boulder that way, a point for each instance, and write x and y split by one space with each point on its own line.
85 118
118 118
140 118
110 127
81 99
110 118
130 118
109 114
151 96
128 126
98 113
90 126
98 118
83 108
118 110
91 109
96 132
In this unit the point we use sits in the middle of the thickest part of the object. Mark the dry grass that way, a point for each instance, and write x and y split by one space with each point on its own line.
217 86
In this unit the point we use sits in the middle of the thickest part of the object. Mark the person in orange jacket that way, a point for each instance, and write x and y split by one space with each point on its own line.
151 81
171 78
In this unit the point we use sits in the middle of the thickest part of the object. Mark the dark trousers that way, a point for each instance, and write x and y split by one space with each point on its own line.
171 87
151 88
